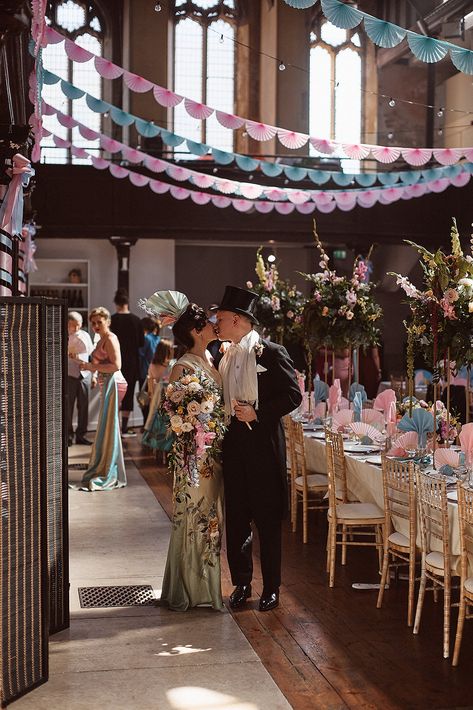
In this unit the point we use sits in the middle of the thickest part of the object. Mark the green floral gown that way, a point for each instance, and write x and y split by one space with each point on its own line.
192 573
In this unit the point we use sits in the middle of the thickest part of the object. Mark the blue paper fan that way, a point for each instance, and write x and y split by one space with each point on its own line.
72 92
410 177
122 118
300 4
97 105
468 167
197 148
49 78
246 163
426 49
345 16
366 179
271 169
451 171
462 59
146 128
342 179
431 174
383 33
388 178
318 177
221 157
171 138
295 173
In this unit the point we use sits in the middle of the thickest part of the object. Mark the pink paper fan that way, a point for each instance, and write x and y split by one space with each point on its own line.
461 179
200 198
202 180
117 171
99 163
322 198
110 145
138 180
155 164
392 194
341 419
179 193
52 36
284 207
291 139
229 120
362 429
137 83
274 194
32 81
298 197
61 142
88 133
178 173
77 53
368 198
306 208
446 457
242 205
228 187
408 440
159 187
373 417
44 132
250 191
415 190
344 404
438 185
48 110
264 207
323 145
347 206
69 122
327 208
447 156
165 97
383 154
345 199
468 153
416 156
197 110
356 151
107 69
221 201
131 154
260 131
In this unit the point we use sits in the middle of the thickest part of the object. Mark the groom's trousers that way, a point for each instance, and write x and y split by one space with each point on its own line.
253 492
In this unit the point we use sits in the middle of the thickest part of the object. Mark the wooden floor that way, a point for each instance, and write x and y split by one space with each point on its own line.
331 648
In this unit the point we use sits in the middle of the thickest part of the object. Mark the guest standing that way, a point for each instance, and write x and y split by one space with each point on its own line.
155 426
151 331
129 330
106 469
78 383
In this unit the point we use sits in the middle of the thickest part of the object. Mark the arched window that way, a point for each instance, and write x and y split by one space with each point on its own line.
81 22
204 66
336 70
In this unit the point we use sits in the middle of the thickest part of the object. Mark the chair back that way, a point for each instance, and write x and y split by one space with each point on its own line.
465 519
336 468
298 451
399 495
433 514
287 426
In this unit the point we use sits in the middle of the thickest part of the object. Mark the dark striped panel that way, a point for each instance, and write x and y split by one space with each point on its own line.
23 561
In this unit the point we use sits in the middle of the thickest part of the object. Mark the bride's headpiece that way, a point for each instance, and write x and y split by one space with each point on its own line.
168 306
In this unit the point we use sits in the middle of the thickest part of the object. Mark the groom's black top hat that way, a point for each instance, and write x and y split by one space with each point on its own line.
239 300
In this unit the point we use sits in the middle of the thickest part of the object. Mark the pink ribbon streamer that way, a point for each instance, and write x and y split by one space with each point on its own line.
11 210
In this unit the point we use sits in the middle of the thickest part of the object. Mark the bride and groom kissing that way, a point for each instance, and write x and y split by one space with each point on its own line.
254 387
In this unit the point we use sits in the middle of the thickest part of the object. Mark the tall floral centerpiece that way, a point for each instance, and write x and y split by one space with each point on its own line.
280 306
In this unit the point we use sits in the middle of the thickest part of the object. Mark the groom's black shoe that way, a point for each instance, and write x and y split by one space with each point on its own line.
240 594
269 600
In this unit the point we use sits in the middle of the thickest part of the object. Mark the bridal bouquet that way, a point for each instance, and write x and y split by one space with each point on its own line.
195 409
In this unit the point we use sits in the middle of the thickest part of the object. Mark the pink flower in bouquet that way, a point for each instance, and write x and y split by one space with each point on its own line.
451 295
448 310
199 440
275 303
290 314
409 289
317 296
349 315
351 298
249 284
325 311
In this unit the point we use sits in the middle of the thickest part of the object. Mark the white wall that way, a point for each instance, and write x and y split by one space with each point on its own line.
152 268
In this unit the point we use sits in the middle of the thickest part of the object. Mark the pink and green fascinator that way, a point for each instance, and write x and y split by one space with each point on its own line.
168 306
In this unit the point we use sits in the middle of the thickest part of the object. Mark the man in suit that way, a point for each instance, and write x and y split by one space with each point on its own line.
260 387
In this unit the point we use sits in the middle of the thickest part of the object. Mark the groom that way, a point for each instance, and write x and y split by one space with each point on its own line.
260 387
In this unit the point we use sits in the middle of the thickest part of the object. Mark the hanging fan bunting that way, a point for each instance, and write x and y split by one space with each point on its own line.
451 171
117 171
154 164
462 59
271 169
61 142
345 16
284 207
132 155
138 180
81 153
200 198
99 163
97 105
416 156
327 208
220 201
251 192
45 133
365 179
319 177
146 128
165 97
384 154
356 151
322 198
468 166
159 187
76 53
242 205
48 78
197 148
69 122
221 157
226 186
383 33
110 145
171 138
392 194
416 190
298 197
275 194
33 81
344 198
431 174
409 177
229 120
447 156
294 173
323 145
122 118
307 208
72 92
51 36
347 207
367 199
136 83
468 153
264 207
246 163
107 69
291 139
197 110
461 179
388 178
300 4
202 180
260 131
178 173
179 193
89 134
427 49
438 185
342 179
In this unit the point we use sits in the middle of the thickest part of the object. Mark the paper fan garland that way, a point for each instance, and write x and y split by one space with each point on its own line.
384 154
251 192
307 208
202 180
438 185
264 207
246 163
159 187
154 164
460 180
284 207
226 186
165 97
221 157
138 180
367 199
122 118
197 110
297 197
117 171
416 156
300 4
137 83
107 69
383 33
200 198
356 151
447 156
462 59
271 169
76 53
69 122
220 201
326 209
179 193
345 16
427 49
72 92
110 145
229 120
322 145
294 173
242 205
178 173
260 131
171 138
97 105
147 129
132 155
197 148
291 139
52 36
98 163
61 142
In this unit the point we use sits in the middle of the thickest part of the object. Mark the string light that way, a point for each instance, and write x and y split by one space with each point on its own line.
214 170
390 135
440 112
282 66
157 7
440 131
271 258
392 102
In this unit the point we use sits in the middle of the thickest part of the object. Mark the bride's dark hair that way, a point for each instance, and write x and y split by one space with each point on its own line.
194 317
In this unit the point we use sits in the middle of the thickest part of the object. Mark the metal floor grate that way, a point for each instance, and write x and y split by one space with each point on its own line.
101 597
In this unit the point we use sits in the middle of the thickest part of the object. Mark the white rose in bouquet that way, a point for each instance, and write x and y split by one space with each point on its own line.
186 427
176 423
194 387
206 406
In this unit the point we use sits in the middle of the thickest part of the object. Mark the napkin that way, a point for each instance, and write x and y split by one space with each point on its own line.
320 410
354 388
320 391
334 397
422 422
358 405
466 442
383 403
398 452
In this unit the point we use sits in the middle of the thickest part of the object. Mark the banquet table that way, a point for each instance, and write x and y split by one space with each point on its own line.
365 483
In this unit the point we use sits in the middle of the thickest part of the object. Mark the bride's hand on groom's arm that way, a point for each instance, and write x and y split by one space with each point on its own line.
245 413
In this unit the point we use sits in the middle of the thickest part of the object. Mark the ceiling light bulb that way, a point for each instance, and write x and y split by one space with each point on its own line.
390 136
271 258
157 7
392 103
282 66
440 112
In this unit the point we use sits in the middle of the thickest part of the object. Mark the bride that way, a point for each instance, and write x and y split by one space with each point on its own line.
192 573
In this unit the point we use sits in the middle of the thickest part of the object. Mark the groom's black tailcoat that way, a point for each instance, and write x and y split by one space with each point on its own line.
254 469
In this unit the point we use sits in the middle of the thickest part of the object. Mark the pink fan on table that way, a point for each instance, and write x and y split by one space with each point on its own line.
155 164
229 120
165 97
323 145
384 154
260 131
284 207
200 198
416 156
383 402
203 180
344 403
362 429
197 110
447 156
291 139
342 419
466 442
373 417
356 151
264 207
107 69
138 180
408 440
137 83
159 187
446 457
76 53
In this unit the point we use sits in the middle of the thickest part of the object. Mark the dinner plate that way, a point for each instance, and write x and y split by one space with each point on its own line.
376 459
312 427
315 434
452 495
353 448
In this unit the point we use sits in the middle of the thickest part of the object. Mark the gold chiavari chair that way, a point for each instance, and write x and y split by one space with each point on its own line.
399 549
465 519
307 486
287 425
436 565
350 517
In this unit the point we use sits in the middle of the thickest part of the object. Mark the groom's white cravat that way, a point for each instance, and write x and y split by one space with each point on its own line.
238 370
